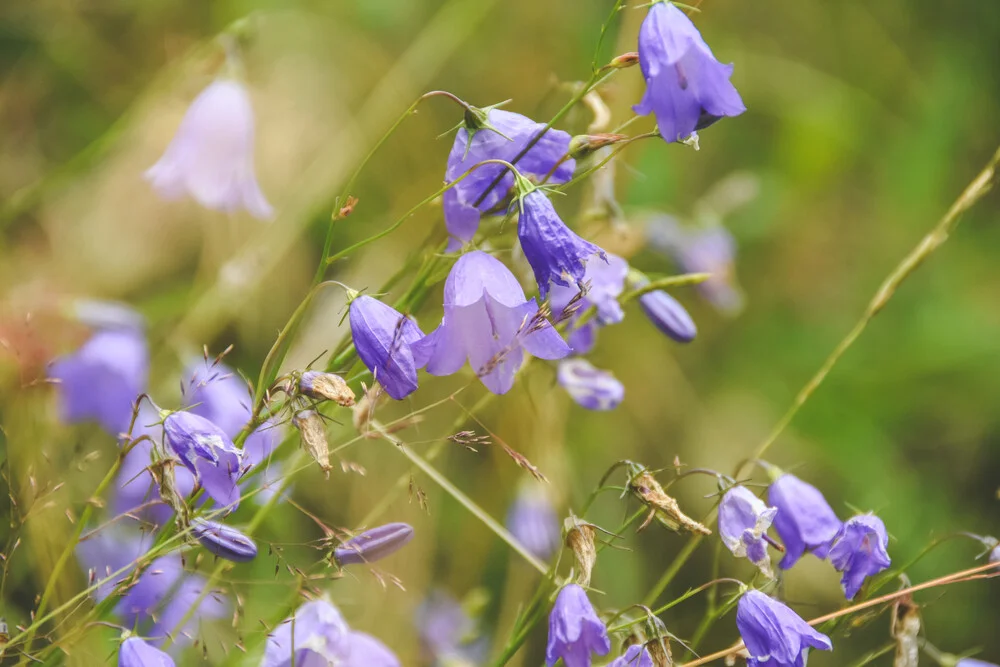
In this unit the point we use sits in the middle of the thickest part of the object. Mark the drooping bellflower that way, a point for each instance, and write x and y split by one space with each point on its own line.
590 387
634 656
774 635
374 544
743 523
533 521
135 652
488 322
606 282
383 338
316 634
805 521
859 551
575 630
211 156
687 89
208 453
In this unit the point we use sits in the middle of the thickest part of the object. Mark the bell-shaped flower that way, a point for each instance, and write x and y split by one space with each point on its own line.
384 338
498 135
743 523
206 451
102 379
774 635
223 541
374 544
554 251
533 521
805 521
316 635
860 551
686 87
211 156
634 656
363 650
669 316
575 630
488 322
605 282
135 652
590 387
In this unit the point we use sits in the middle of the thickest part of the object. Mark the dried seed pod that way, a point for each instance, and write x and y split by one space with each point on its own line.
906 631
326 387
644 486
659 651
580 540
313 432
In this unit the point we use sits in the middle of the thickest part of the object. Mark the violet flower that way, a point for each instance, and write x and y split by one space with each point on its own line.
634 656
223 541
995 555
554 251
686 87
136 491
668 315
606 282
859 551
384 338
110 554
135 652
590 387
575 631
774 635
533 521
743 523
374 544
363 650
444 629
971 662
318 636
102 379
461 214
208 453
805 521
211 156
487 321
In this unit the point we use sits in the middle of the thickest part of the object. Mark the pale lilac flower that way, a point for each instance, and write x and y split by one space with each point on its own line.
461 213
668 315
859 551
223 541
320 638
374 544
805 521
211 156
774 635
970 662
533 521
363 650
103 315
606 282
686 87
575 630
635 656
488 322
445 630
995 555
135 652
208 453
111 554
136 491
590 387
384 338
743 523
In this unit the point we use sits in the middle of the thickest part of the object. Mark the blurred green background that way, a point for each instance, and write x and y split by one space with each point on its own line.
865 121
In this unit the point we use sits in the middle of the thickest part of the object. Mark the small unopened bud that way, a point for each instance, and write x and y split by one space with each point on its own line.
630 59
583 145
647 489
313 432
669 316
374 544
580 540
326 386
223 541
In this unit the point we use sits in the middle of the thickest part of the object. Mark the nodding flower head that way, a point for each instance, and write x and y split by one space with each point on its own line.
743 523
374 544
774 635
805 521
135 652
223 541
575 630
383 338
605 282
590 387
208 453
860 551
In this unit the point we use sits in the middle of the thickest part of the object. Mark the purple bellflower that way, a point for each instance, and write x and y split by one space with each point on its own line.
668 315
774 635
102 379
206 451
135 652
995 555
211 156
111 554
137 492
575 631
590 387
686 87
554 251
743 523
487 321
320 638
606 283
533 521
634 656
970 662
374 544
805 521
445 628
383 338
859 551
223 541
363 650
502 138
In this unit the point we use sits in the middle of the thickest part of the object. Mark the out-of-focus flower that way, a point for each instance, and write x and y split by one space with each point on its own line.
590 387
317 634
374 544
135 652
383 338
503 136
223 541
995 554
111 554
575 631
533 521
606 282
102 315
686 87
208 453
326 387
634 656
445 630
805 521
211 156
970 662
363 650
774 635
859 551
668 315
136 491
743 523
102 379
487 321
554 251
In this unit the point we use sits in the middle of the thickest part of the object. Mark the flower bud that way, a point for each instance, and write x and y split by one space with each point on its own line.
668 315
580 540
313 432
223 541
583 145
326 387
374 544
590 387
135 652
630 59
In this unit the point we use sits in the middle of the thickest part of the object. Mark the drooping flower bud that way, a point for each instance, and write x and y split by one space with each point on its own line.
313 432
669 316
135 652
383 336
630 59
773 633
650 493
575 630
583 145
223 541
743 523
206 451
374 544
805 521
327 387
580 540
590 387
859 551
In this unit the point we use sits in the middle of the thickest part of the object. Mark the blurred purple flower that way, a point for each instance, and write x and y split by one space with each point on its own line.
363 650
575 630
135 652
208 453
104 315
668 315
805 521
487 321
461 214
554 251
859 551
774 635
383 338
374 544
111 553
223 541
137 489
102 379
211 156
970 662
634 656
590 387
606 283
444 628
686 87
533 521
995 555
743 523
320 638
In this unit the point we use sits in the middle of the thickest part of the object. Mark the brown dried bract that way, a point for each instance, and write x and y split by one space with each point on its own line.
331 387
580 540
645 487
313 432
